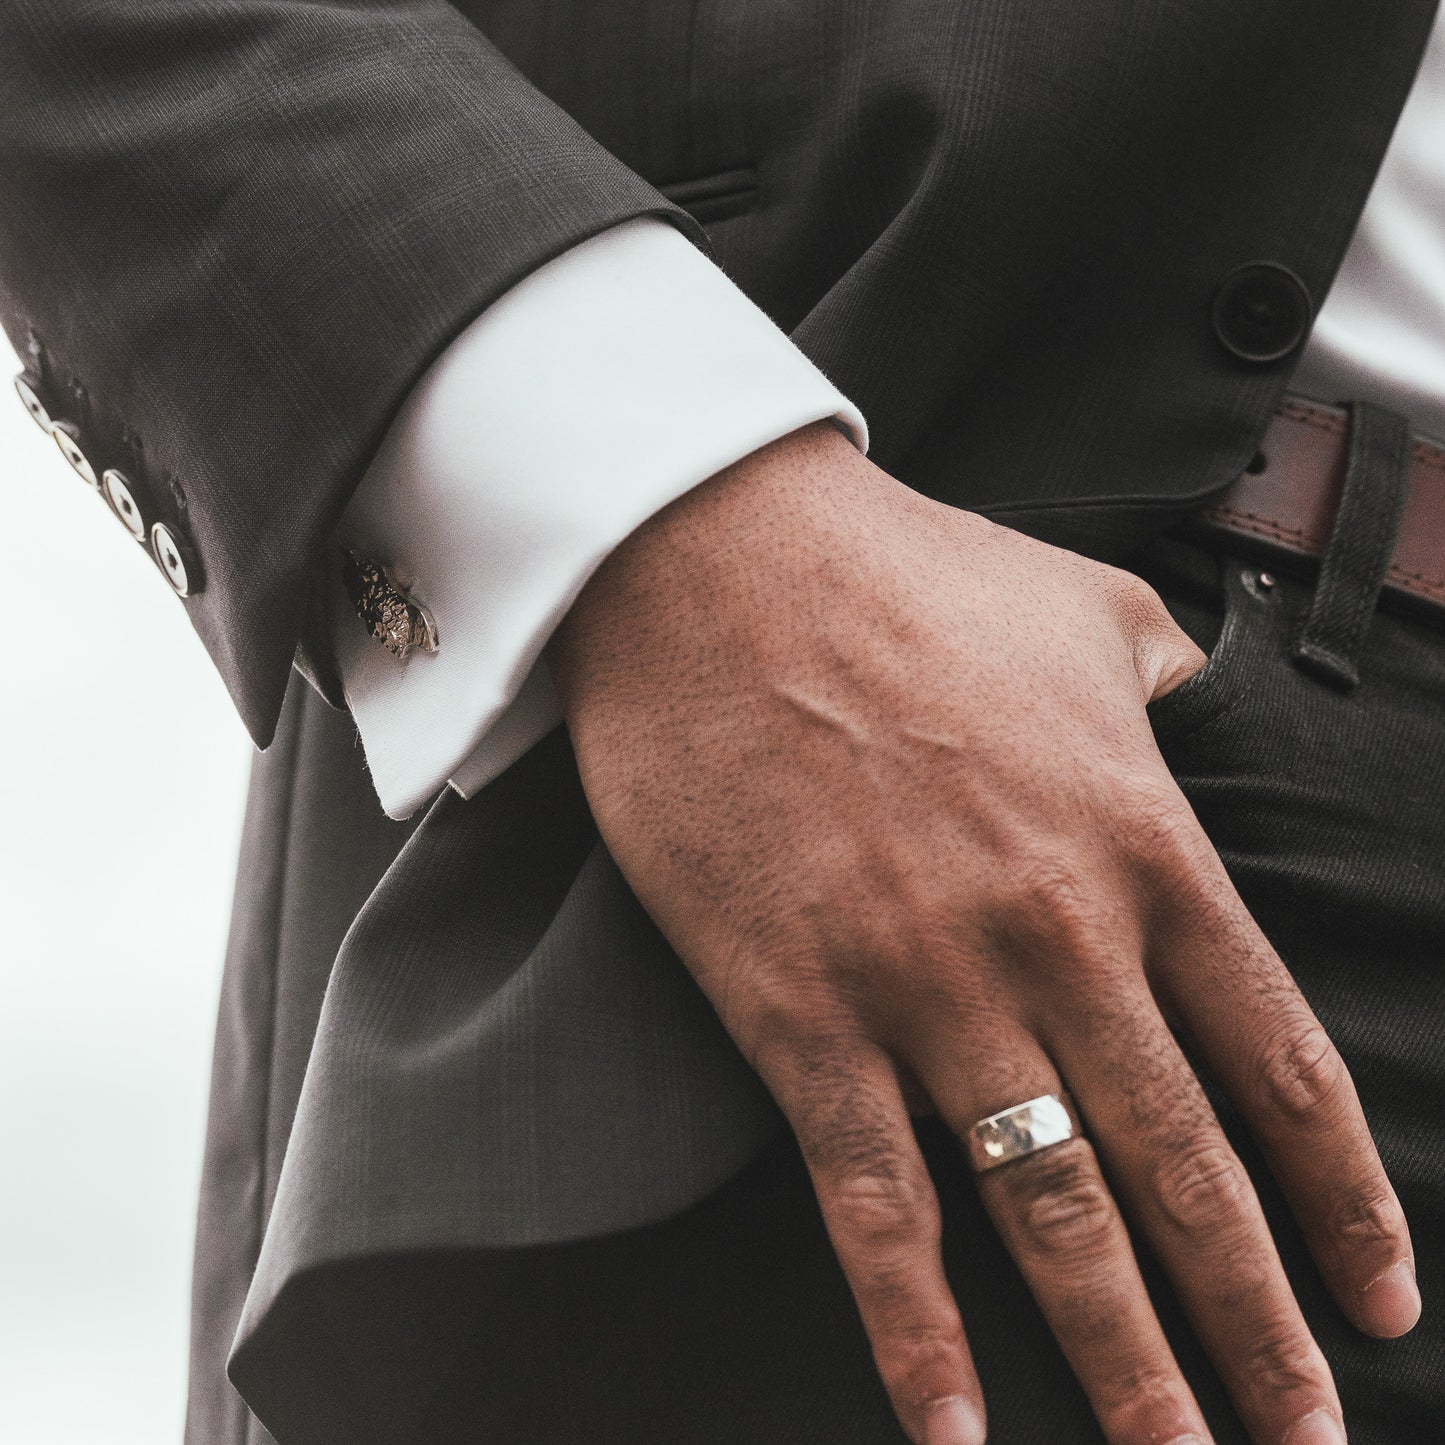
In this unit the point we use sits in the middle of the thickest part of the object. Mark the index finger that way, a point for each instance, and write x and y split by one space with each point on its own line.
1280 1068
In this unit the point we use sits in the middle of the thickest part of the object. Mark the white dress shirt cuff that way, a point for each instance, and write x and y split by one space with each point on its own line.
597 390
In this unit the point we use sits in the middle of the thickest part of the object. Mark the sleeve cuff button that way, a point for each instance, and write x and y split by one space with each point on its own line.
123 503
32 403
168 557
65 439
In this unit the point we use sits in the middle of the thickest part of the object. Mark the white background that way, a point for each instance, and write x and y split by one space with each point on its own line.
122 772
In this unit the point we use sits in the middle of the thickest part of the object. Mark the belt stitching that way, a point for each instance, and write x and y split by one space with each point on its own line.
1274 531
1426 455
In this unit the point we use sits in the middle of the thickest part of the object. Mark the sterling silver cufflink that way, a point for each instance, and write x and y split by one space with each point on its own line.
401 624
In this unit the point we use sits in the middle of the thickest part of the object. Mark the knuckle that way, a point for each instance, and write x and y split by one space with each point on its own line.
1160 827
850 1140
1284 1361
1371 1215
1300 1072
774 1011
1139 603
1060 1205
911 1356
1050 903
879 1205
1146 795
1202 1185
1146 617
1136 1398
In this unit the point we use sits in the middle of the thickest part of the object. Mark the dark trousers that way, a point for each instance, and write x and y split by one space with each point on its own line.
732 1325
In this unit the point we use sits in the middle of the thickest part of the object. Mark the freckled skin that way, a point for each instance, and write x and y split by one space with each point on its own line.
882 773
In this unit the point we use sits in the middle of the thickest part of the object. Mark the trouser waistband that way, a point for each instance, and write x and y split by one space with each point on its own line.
1284 506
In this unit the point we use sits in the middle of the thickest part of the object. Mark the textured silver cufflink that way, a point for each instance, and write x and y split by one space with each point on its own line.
399 623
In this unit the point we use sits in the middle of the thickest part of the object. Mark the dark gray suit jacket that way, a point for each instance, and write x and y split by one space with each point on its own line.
1061 252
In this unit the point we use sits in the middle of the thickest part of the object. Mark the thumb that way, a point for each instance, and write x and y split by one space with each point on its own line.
1167 658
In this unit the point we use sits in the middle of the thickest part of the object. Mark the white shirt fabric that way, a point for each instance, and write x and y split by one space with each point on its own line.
623 373
595 391
1381 334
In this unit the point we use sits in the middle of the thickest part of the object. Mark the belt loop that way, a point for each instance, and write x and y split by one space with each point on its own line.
1362 541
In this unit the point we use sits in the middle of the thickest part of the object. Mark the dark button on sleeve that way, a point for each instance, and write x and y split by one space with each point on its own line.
32 402
1262 312
123 503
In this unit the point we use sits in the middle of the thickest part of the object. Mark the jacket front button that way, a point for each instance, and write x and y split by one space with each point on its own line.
123 503
168 555
64 434
32 403
1262 312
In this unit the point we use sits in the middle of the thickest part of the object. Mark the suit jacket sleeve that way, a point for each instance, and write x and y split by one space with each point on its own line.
233 235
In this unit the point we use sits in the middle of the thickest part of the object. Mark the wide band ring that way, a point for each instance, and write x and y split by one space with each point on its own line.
1020 1131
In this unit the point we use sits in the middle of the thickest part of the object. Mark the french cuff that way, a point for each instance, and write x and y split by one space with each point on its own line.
597 390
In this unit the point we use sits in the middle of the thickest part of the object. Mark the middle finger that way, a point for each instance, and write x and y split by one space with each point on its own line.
1059 1221
1184 1184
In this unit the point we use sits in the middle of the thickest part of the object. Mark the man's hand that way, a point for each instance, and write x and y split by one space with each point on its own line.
882 773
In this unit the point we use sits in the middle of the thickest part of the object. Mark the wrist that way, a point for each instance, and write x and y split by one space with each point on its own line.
697 573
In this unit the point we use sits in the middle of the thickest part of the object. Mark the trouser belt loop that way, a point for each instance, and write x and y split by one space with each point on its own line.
1361 543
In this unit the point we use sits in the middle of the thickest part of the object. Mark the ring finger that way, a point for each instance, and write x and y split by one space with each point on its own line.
1058 1219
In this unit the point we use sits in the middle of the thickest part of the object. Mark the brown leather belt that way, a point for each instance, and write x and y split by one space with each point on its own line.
1283 504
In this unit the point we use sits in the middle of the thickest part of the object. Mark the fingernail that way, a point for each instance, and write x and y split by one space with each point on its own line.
1390 1304
1185 1440
1320 1428
954 1421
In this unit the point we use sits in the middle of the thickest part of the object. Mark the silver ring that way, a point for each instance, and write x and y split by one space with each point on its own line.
1018 1132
